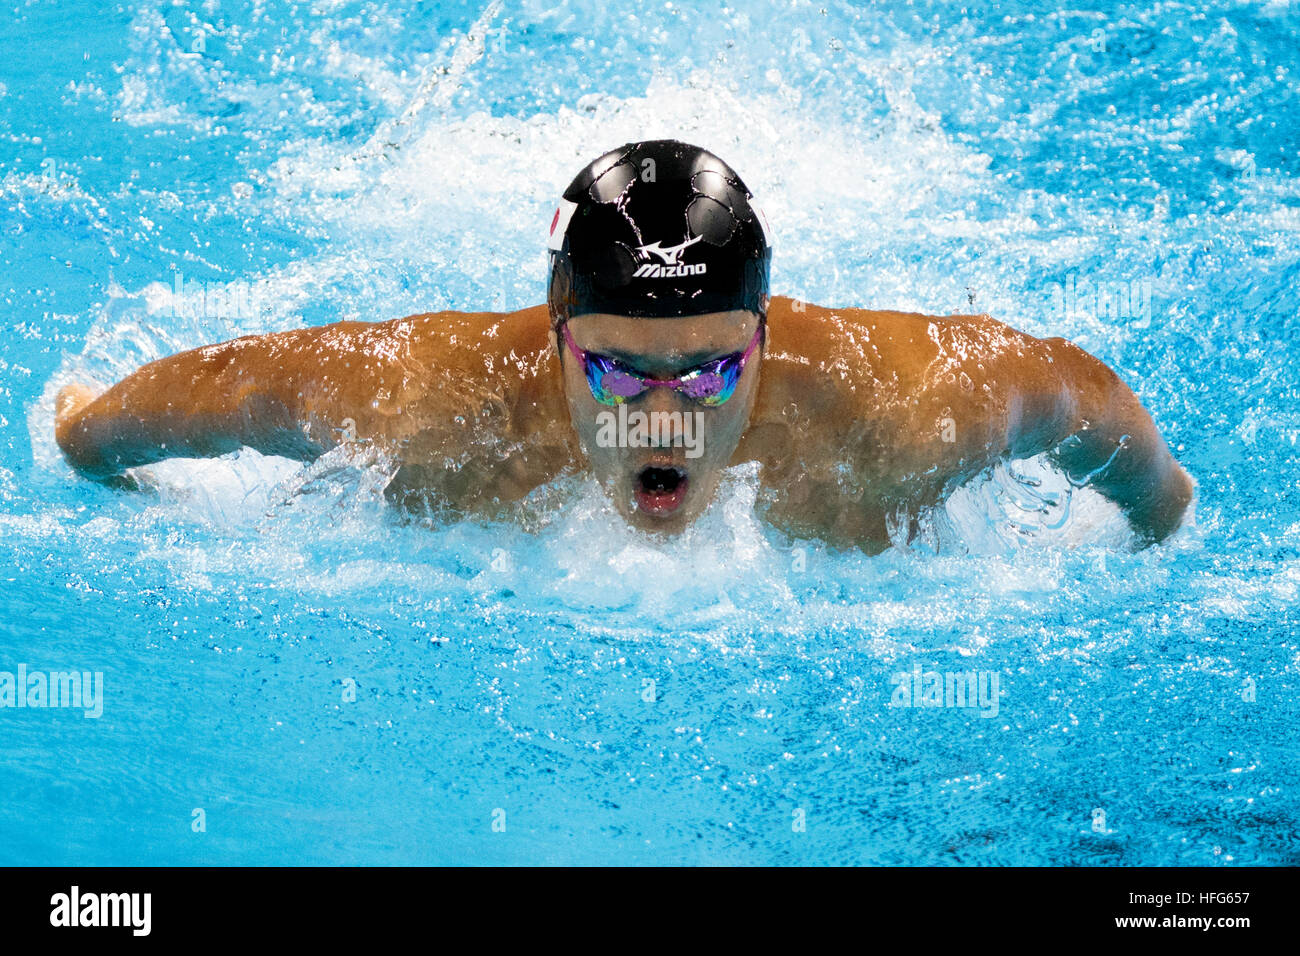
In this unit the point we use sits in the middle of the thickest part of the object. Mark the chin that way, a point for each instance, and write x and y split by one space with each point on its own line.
670 525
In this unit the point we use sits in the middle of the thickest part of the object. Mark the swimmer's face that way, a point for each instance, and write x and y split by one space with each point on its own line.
660 455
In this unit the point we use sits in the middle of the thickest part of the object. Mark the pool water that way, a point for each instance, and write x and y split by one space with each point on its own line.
294 674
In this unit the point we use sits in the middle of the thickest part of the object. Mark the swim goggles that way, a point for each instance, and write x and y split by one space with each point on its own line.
710 384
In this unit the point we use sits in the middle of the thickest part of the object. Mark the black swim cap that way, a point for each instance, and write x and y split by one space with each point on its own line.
658 228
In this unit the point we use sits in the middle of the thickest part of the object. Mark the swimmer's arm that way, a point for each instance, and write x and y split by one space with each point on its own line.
1104 435
282 394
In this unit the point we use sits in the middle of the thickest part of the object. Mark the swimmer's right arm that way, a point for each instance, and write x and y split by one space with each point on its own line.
285 393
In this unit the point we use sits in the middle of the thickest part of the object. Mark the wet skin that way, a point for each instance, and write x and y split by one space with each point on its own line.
854 416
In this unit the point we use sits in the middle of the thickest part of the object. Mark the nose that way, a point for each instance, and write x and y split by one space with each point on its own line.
663 403
662 399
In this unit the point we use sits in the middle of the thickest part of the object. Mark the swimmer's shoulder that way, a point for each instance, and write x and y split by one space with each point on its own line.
491 370
864 345
799 318
892 341
478 340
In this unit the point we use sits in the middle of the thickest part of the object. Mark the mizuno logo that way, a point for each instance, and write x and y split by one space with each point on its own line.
669 255
670 267
652 270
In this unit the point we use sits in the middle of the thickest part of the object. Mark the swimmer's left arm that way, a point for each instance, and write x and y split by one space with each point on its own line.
1103 435
1005 394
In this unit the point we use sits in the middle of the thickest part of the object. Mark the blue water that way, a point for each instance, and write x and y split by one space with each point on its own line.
559 689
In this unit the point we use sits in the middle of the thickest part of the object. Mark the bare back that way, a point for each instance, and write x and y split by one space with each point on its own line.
859 413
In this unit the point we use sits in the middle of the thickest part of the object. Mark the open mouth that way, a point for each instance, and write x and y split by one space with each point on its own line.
660 490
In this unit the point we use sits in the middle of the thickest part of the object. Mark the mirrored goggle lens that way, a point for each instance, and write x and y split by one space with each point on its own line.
621 384
610 384
715 383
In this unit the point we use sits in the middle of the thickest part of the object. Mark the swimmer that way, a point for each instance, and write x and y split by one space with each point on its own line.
658 362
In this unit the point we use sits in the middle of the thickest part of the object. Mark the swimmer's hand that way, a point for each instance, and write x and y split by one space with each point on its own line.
69 406
71 400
